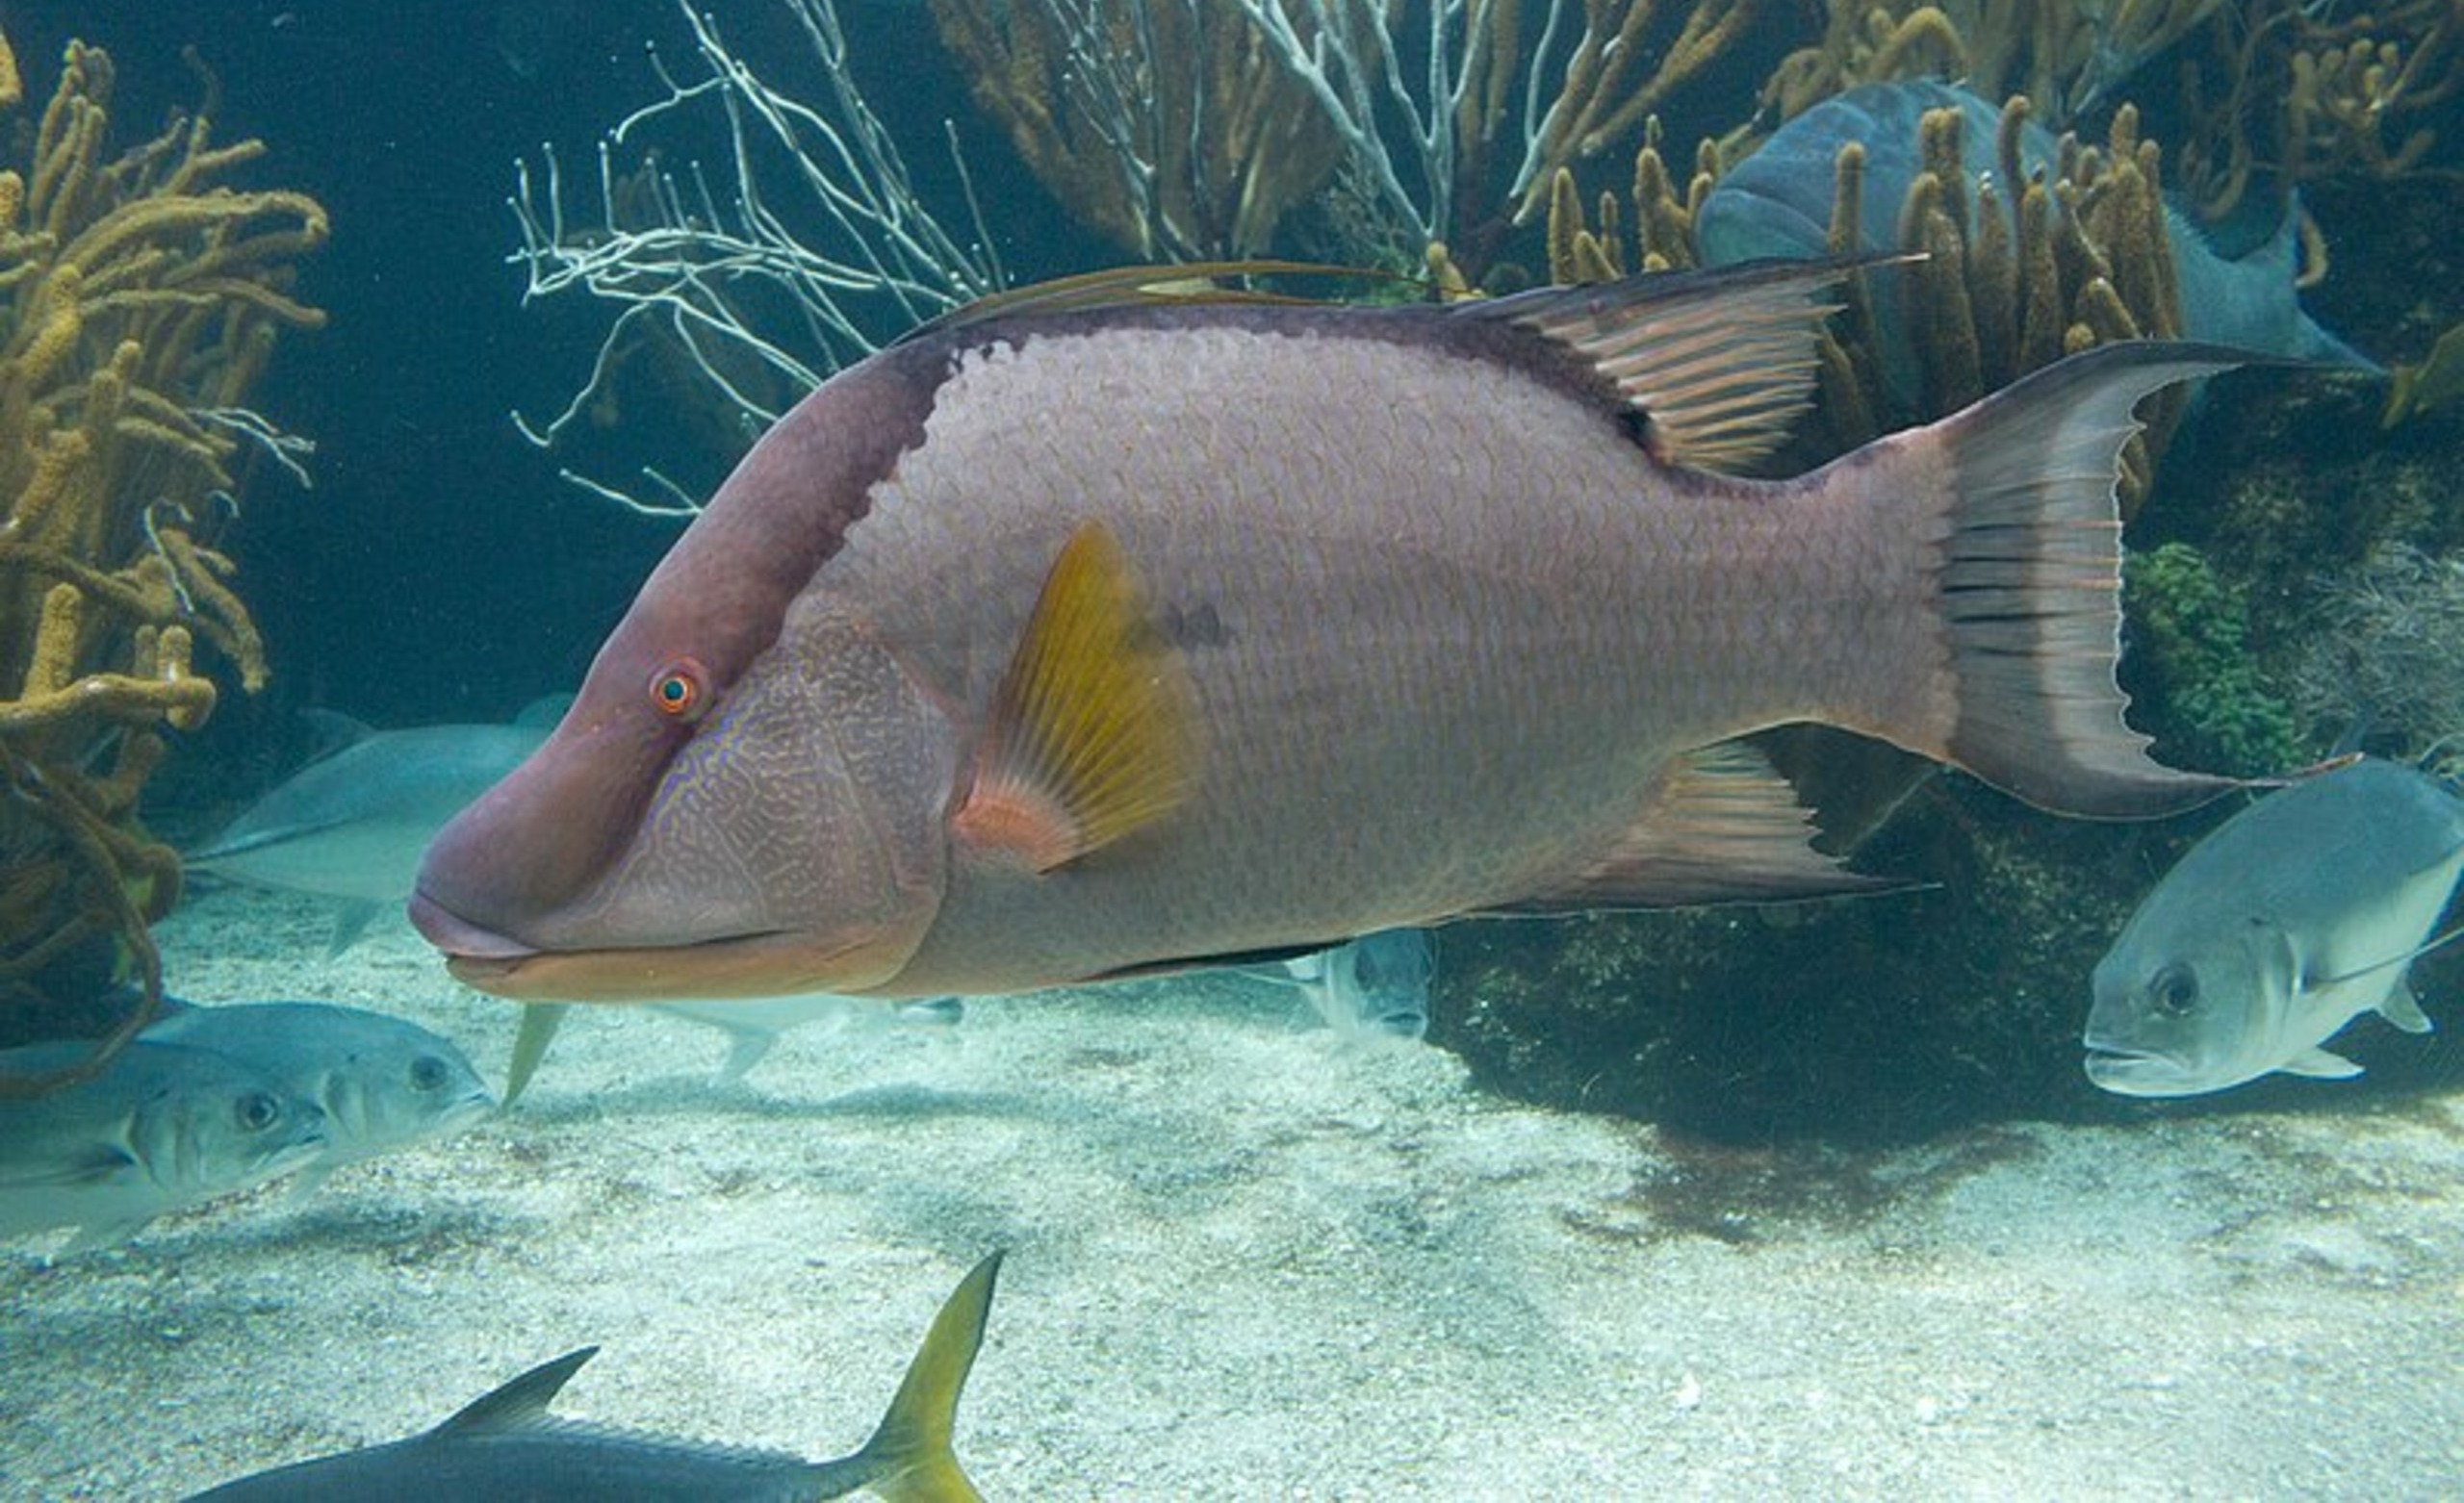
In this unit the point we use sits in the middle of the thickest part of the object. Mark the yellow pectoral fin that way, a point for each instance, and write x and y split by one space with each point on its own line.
1093 731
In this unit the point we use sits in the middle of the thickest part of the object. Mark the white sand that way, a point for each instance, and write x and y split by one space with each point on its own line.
1247 1265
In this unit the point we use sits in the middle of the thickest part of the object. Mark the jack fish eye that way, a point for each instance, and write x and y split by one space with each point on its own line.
428 1073
2174 990
257 1111
676 691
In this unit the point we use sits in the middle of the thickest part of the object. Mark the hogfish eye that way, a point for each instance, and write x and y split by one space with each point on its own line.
258 1111
2174 990
675 690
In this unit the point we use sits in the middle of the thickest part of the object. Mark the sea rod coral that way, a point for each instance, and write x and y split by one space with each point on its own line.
140 297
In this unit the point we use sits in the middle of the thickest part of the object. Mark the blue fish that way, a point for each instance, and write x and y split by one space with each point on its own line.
2293 918
161 1127
1778 201
1376 985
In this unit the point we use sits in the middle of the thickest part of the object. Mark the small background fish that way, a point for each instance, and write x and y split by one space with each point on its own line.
2294 917
161 1127
1377 987
383 1082
1778 202
505 1445
350 827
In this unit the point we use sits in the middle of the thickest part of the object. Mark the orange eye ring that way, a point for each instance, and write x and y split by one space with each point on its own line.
677 692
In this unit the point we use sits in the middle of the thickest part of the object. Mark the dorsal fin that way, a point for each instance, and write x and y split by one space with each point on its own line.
518 1403
330 731
1194 283
1719 363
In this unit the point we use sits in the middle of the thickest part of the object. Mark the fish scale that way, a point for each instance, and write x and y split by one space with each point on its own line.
1057 644
1503 606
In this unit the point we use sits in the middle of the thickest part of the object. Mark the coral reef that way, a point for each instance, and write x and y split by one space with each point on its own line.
2059 54
2388 655
1879 1020
140 297
2303 92
1171 129
2194 673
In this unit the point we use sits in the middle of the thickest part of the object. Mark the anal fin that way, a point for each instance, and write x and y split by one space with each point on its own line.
2319 1064
1720 825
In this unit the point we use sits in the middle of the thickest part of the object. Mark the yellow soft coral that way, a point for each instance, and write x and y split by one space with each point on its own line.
138 295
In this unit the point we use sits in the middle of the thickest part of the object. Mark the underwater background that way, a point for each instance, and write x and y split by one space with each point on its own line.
1809 1198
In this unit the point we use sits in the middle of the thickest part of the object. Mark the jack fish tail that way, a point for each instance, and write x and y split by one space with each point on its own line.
2018 492
908 1459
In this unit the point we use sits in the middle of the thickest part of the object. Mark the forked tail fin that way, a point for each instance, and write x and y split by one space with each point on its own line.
2020 491
909 1459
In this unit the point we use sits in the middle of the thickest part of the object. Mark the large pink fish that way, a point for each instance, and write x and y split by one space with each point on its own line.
1079 638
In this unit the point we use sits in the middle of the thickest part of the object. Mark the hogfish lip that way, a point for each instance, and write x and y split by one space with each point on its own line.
461 940
773 962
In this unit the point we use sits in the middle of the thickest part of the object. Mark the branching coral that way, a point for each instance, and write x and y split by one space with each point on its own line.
808 247
2302 91
1610 87
2285 92
1171 128
140 297
2062 54
1185 129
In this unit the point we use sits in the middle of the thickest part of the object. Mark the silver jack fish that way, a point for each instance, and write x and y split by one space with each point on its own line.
754 1028
1077 638
2294 917
505 1444
383 1082
1374 986
349 828
161 1127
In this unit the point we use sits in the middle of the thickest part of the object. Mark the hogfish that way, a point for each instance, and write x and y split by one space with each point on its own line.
1086 635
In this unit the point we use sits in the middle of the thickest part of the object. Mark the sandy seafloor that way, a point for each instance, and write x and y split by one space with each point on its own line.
1247 1262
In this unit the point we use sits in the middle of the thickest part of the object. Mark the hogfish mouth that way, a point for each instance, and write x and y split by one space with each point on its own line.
768 962
461 940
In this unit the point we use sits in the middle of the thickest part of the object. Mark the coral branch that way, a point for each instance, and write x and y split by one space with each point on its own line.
138 298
